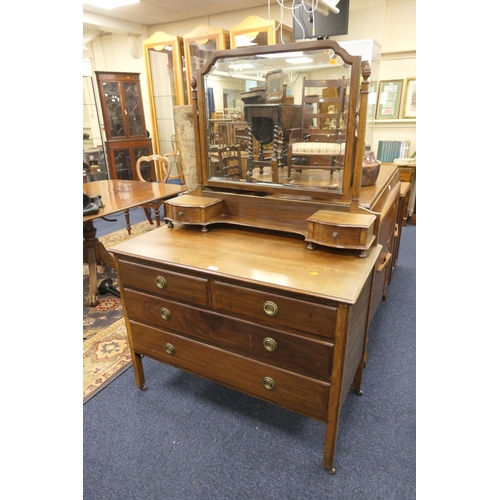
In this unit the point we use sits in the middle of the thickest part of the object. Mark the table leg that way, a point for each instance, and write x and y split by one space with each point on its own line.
94 252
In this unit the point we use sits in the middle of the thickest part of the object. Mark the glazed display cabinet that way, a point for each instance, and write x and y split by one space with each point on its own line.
124 123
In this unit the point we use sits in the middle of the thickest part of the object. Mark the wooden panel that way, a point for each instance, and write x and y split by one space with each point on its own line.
292 352
295 392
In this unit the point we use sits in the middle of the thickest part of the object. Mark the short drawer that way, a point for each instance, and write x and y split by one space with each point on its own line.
193 209
295 392
288 351
275 310
341 230
163 283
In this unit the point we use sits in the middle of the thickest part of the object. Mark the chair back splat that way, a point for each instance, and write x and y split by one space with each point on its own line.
149 168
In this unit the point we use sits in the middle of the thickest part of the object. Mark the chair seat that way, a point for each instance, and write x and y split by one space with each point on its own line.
325 148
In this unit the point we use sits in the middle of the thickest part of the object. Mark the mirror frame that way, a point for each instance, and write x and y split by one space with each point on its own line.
159 40
356 126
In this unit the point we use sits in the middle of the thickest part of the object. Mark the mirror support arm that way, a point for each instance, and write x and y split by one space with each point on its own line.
360 142
196 127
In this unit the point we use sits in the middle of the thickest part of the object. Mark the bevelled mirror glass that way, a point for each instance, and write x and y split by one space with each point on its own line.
288 114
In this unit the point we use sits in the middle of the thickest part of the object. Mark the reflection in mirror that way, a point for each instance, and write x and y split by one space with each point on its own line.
288 112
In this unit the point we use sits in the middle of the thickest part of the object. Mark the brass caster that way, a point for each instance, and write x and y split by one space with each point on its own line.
362 254
143 387
204 229
310 246
332 471
359 393
170 223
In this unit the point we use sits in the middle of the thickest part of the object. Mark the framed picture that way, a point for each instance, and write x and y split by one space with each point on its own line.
389 99
410 99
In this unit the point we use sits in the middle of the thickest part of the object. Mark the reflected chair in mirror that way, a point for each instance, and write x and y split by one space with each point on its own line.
229 161
320 142
144 168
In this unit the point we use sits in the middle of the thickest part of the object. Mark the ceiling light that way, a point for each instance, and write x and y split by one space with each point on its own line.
110 4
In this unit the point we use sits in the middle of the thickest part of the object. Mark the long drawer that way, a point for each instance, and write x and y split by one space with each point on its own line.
295 392
165 283
292 352
275 310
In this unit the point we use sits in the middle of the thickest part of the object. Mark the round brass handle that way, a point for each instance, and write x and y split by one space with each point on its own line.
161 282
268 383
270 344
270 308
165 313
169 348
335 234
181 214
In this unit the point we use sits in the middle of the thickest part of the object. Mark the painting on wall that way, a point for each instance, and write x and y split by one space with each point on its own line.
410 99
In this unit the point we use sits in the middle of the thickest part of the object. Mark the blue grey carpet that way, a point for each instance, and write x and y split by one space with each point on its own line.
187 439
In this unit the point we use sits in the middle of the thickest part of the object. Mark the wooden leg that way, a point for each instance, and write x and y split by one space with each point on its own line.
157 215
330 443
89 255
127 220
94 252
138 371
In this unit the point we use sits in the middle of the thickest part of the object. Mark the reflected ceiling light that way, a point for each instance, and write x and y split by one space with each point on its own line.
240 66
109 4
299 60
275 55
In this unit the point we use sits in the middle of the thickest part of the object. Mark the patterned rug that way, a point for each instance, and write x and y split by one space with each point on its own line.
105 347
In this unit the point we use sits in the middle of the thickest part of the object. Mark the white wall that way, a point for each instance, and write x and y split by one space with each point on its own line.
390 22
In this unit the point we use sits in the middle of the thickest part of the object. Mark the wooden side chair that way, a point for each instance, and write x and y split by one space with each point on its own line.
144 167
230 161
320 142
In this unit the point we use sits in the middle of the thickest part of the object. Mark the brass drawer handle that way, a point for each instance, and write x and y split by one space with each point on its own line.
165 313
335 234
181 214
268 383
169 348
270 344
270 308
161 282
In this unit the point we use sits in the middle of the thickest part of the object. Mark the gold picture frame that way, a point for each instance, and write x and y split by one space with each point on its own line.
410 99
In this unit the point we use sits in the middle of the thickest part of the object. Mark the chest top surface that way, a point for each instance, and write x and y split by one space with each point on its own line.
253 258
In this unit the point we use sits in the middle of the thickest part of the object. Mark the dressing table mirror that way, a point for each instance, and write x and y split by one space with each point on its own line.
243 74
